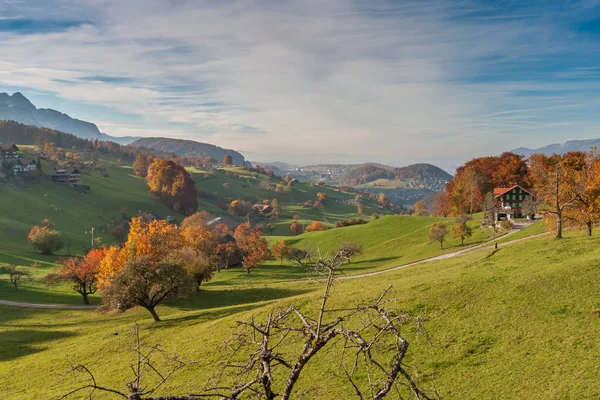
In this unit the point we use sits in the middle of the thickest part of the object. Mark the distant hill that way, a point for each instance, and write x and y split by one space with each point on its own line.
571 145
419 175
188 148
18 108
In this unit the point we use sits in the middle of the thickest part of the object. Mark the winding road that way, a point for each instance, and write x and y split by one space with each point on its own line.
481 247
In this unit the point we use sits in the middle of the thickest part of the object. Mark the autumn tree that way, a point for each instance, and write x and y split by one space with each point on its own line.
141 164
360 208
227 160
586 212
465 193
560 182
198 264
279 189
437 233
383 200
441 207
276 209
45 239
461 228
199 218
280 250
315 226
172 184
146 270
253 247
296 228
81 272
240 208
421 209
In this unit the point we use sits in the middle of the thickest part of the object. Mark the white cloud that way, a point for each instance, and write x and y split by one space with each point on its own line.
310 78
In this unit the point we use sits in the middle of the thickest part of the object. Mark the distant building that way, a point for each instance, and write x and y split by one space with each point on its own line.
67 176
9 151
511 201
24 165
231 224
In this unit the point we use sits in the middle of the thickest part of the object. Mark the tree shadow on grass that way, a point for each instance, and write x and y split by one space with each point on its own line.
190 319
23 342
207 299
32 291
364 265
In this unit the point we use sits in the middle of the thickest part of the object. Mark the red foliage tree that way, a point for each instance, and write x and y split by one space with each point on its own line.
253 247
81 272
296 228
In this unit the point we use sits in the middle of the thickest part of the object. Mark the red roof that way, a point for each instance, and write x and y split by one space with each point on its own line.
501 191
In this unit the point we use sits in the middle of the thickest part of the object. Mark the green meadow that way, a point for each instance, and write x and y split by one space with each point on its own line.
508 323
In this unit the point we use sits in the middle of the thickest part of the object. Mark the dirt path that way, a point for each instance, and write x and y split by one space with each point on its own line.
481 247
49 306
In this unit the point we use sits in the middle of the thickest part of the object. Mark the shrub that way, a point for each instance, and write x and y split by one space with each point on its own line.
316 226
349 222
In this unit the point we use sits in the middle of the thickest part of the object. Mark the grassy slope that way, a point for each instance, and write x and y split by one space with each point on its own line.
72 212
333 210
508 324
387 242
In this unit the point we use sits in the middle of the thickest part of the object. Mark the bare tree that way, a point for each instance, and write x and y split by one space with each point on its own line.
14 275
149 374
258 348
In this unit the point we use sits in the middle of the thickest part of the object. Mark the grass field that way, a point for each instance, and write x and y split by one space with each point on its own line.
72 212
511 323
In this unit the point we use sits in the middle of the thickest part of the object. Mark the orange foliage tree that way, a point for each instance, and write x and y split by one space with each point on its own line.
172 184
586 212
559 181
316 226
421 209
147 269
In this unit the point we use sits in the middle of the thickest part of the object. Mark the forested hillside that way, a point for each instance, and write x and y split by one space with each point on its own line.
189 148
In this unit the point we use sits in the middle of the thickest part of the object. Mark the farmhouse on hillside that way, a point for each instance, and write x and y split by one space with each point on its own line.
9 151
231 224
511 200
24 165
68 176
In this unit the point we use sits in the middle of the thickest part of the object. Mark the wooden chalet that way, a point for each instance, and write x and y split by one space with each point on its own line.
24 165
262 209
9 151
510 201
67 176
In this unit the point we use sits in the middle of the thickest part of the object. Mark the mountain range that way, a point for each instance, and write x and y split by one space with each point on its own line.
571 145
19 109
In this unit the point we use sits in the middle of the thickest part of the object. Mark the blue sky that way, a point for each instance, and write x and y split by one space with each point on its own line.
317 80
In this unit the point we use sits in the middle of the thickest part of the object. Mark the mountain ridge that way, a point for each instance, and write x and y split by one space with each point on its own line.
560 148
17 107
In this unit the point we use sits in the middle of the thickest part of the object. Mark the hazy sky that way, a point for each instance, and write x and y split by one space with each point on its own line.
315 80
